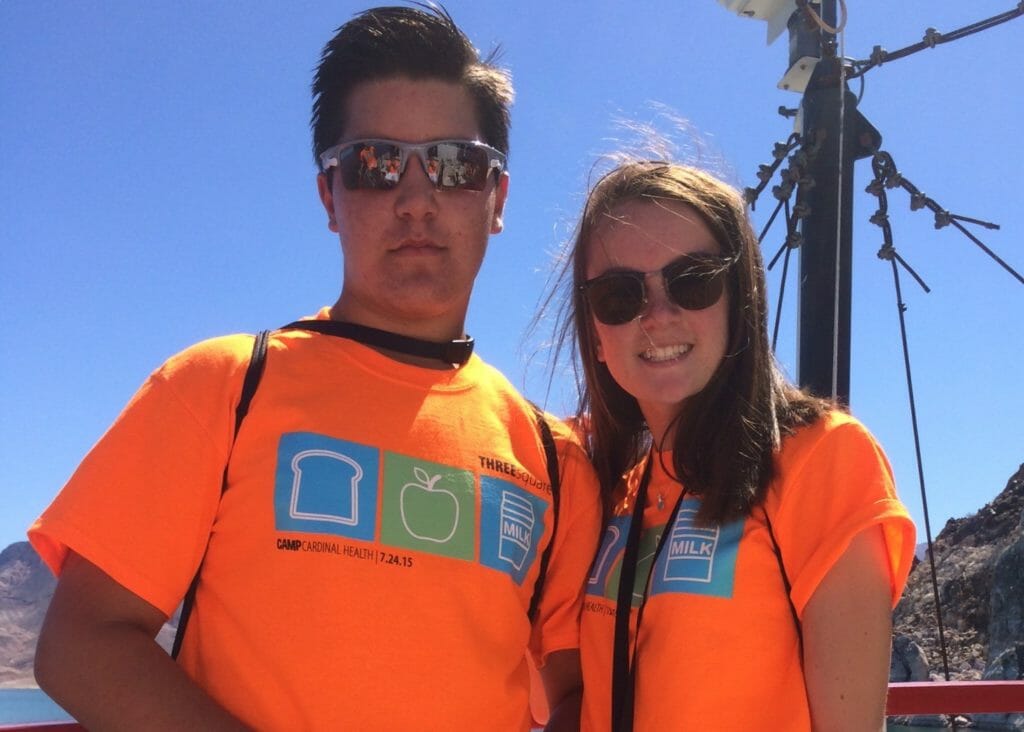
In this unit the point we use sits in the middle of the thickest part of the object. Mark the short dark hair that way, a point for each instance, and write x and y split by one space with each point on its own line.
727 433
416 43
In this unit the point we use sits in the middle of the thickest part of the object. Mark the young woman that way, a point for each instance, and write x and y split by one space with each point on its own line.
768 546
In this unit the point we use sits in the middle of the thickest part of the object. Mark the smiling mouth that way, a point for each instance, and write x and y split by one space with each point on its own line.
666 353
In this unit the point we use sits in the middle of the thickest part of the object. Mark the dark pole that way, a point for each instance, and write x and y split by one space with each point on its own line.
835 135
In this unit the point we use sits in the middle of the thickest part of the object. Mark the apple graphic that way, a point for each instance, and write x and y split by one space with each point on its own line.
643 563
428 513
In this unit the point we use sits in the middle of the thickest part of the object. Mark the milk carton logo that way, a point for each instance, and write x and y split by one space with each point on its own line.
511 526
690 549
428 507
326 486
697 559
517 522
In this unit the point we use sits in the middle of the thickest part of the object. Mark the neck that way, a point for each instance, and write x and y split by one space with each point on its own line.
438 329
663 429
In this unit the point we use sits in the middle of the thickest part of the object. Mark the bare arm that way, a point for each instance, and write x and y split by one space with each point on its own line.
563 683
98 659
847 628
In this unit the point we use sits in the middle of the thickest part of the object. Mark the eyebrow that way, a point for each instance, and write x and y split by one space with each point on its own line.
619 269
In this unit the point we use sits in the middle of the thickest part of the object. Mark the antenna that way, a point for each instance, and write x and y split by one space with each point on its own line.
832 135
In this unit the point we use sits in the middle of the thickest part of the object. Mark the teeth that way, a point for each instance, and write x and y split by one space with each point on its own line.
665 354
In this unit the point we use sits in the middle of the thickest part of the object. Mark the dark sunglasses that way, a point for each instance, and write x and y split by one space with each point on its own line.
692 281
378 165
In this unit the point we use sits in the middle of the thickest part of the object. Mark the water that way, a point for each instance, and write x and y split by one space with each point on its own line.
29 705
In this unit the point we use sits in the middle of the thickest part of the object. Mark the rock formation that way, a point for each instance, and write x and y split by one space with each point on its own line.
979 568
26 586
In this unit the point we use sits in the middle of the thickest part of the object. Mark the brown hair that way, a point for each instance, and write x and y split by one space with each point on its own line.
415 43
727 433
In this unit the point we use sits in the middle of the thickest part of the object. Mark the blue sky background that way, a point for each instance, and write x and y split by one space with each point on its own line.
158 189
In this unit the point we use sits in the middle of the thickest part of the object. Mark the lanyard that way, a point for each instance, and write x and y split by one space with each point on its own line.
624 667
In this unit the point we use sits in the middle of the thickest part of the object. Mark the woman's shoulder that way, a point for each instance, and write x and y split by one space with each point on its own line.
833 425
836 436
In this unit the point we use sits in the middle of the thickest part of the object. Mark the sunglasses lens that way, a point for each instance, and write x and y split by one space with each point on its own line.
694 286
616 298
692 283
377 165
370 165
458 165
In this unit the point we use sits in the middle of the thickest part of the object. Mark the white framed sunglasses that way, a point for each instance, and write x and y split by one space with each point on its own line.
378 165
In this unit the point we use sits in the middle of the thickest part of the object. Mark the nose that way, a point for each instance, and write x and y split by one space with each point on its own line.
658 306
416 194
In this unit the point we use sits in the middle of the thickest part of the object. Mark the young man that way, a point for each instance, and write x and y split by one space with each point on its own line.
386 503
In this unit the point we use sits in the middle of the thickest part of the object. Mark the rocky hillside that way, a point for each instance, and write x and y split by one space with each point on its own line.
979 562
26 586
979 570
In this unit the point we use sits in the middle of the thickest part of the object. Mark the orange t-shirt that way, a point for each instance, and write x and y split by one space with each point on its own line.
718 646
371 562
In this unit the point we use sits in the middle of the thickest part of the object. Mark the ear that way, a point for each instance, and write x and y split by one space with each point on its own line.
598 348
327 199
500 194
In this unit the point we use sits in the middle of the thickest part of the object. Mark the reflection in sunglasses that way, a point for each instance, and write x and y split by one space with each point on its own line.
380 164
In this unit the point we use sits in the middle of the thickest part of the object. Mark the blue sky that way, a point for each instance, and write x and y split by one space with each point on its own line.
158 189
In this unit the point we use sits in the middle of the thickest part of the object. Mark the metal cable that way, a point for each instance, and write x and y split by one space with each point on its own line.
882 166
931 39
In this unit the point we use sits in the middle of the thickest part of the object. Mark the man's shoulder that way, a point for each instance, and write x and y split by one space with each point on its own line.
226 351
563 430
490 377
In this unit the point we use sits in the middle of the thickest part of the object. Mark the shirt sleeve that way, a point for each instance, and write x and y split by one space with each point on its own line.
575 543
141 503
834 482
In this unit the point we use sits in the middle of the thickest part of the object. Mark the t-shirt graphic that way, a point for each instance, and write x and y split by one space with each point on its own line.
511 525
428 507
324 485
694 559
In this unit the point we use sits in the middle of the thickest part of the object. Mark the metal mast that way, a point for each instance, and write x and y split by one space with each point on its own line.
835 135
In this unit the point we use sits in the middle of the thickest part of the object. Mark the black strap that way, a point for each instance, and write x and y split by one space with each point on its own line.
554 479
785 579
253 373
622 676
456 351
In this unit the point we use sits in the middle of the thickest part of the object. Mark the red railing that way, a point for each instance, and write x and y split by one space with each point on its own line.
955 697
